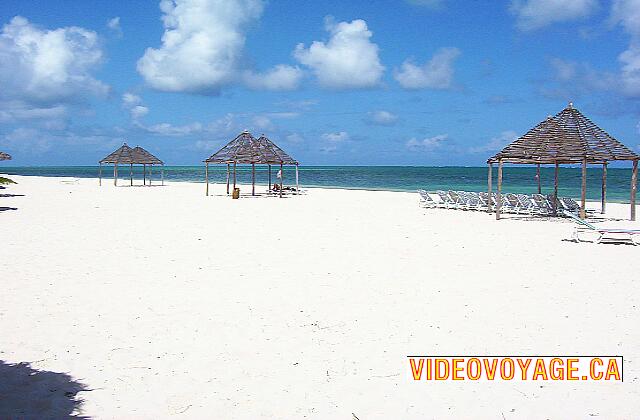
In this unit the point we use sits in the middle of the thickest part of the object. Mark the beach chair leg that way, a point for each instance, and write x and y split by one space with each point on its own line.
574 237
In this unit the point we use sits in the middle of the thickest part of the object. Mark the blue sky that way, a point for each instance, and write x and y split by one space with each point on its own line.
401 82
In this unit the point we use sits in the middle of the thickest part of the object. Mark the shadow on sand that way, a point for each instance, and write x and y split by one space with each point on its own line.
8 208
27 393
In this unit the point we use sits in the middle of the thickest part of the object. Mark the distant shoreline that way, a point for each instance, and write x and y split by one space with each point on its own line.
361 179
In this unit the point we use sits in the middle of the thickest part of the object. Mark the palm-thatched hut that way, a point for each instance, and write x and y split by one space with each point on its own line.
246 149
5 156
566 138
125 155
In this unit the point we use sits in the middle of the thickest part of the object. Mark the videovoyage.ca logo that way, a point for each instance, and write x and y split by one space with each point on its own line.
517 368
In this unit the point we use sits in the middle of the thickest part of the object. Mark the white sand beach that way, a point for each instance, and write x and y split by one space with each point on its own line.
165 303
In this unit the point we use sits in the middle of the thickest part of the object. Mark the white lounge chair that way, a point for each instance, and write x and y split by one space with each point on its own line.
544 207
604 235
426 200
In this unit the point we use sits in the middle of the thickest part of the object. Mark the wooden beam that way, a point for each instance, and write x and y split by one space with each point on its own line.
206 177
253 179
555 189
538 178
269 177
489 187
161 175
144 174
131 173
228 176
604 187
634 186
281 178
297 183
499 197
583 197
115 174
100 175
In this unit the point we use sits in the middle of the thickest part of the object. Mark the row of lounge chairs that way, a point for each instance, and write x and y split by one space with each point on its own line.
534 204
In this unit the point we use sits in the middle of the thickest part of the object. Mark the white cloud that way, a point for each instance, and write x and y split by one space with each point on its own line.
206 145
564 70
280 77
203 47
630 72
627 13
26 140
170 130
535 14
381 118
133 104
496 143
262 122
294 138
114 25
40 66
12 111
130 99
581 78
202 44
436 73
428 144
38 141
349 60
283 115
139 111
336 137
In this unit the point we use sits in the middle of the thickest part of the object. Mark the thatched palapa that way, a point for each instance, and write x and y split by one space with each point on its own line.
125 155
5 156
246 149
568 137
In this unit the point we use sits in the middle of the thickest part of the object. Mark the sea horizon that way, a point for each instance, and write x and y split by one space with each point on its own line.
518 179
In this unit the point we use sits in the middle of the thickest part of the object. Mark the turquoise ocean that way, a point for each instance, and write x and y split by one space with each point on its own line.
390 178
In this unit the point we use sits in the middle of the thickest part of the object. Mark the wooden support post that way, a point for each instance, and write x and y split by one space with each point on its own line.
131 173
162 175
538 177
150 173
583 197
228 176
206 177
269 178
115 174
555 189
489 187
234 175
499 196
281 179
100 175
604 187
253 179
297 183
144 174
634 186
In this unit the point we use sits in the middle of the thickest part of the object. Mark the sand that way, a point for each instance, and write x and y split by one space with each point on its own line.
164 303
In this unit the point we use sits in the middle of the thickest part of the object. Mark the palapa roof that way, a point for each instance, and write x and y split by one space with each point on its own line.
5 156
143 156
247 149
567 137
136 156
